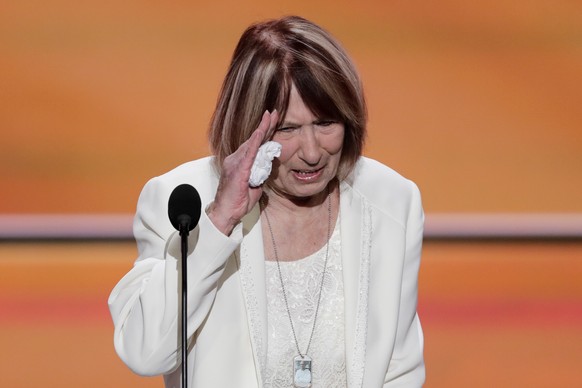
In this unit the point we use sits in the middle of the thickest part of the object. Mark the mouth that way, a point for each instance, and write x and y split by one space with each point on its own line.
308 175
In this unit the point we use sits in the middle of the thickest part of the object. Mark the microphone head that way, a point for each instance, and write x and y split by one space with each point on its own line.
184 207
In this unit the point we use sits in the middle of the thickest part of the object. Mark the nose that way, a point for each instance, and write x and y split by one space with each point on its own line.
309 150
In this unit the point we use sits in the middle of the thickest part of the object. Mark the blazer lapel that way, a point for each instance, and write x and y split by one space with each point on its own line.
355 265
252 274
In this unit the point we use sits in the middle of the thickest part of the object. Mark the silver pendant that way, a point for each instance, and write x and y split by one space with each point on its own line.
302 371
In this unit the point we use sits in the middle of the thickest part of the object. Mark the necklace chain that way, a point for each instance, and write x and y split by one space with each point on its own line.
322 276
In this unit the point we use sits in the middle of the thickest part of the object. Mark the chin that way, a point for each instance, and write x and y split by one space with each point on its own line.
308 191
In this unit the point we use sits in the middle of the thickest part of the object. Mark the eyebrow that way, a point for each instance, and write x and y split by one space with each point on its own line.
294 124
289 124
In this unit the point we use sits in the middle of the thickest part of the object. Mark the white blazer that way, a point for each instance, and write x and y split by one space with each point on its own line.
381 236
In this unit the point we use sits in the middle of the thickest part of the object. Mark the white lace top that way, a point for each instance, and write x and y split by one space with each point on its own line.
302 279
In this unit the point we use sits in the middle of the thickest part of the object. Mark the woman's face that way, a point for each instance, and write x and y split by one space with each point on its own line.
311 152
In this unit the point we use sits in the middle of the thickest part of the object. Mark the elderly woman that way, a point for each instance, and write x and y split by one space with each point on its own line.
309 279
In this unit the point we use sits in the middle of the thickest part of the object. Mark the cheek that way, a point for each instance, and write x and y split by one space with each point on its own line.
336 148
334 144
287 151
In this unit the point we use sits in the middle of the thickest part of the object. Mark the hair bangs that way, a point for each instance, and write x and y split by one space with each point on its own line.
314 95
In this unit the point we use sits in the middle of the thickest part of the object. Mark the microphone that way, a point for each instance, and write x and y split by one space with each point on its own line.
184 208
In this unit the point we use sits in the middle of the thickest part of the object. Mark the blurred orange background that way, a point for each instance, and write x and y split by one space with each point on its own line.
477 102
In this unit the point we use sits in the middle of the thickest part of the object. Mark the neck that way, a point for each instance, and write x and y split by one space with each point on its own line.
300 228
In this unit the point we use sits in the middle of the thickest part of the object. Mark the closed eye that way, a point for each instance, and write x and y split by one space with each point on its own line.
287 129
325 123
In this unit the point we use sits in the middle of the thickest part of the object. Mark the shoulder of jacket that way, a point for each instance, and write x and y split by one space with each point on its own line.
382 187
200 173
191 169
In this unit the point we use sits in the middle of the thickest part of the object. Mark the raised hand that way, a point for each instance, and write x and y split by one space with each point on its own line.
234 197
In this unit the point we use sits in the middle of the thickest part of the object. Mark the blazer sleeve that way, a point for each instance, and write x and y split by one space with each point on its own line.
407 364
145 303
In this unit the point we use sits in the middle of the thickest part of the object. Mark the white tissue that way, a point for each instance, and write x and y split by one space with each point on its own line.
264 162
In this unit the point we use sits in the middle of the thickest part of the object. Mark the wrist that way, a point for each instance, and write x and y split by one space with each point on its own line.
223 222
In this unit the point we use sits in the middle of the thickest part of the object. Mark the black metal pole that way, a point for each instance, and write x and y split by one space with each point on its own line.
184 235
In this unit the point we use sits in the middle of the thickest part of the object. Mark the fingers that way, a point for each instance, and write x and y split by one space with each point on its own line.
242 159
266 126
268 122
258 135
272 124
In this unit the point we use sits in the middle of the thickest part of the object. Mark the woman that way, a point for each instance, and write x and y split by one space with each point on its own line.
309 279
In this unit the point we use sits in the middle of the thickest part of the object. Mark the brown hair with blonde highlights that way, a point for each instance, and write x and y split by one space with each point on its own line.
272 56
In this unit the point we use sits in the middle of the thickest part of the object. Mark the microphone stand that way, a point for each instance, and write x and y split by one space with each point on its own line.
184 212
184 237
